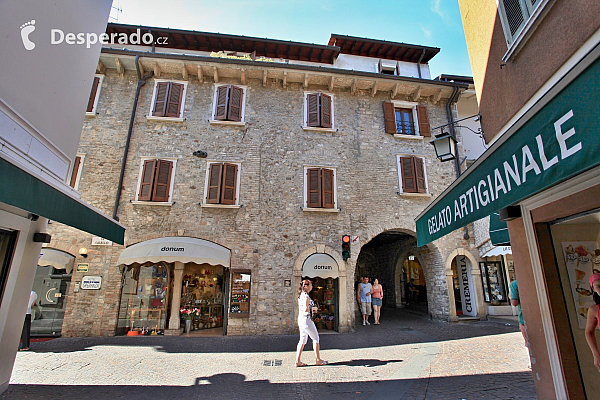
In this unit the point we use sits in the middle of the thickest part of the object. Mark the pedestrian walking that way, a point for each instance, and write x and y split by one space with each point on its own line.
376 300
306 308
516 302
593 319
413 292
363 296
26 333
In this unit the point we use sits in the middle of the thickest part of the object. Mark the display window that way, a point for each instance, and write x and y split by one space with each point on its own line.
143 309
202 297
494 282
239 305
324 294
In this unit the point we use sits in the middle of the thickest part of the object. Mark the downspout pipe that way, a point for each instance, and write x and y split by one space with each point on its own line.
419 63
453 99
141 82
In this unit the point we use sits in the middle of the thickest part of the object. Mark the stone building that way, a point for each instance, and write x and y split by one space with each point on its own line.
237 165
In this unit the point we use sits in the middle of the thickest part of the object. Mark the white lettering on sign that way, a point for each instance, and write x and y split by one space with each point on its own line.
91 282
513 173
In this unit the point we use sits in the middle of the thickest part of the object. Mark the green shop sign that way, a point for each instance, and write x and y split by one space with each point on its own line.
560 141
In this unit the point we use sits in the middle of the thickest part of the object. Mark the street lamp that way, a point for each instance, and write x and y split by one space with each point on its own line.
445 146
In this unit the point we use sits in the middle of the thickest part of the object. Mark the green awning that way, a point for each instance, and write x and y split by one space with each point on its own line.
25 191
498 231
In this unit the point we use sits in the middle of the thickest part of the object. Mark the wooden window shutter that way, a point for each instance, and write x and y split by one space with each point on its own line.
409 184
75 172
423 121
160 103
313 187
328 200
236 97
146 184
420 175
313 116
229 183
214 184
389 116
325 111
92 99
175 99
162 181
222 96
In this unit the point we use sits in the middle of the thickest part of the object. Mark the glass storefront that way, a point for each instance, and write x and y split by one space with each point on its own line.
202 296
143 308
324 294
494 282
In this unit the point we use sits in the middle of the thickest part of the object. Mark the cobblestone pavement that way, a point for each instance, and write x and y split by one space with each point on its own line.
406 357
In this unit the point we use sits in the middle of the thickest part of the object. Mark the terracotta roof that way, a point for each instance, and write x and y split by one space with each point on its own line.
205 41
382 49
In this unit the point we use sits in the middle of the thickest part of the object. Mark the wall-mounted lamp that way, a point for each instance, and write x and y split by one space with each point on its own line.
200 153
83 252
444 145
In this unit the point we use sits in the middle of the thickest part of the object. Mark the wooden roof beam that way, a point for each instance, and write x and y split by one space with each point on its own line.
416 95
265 78
353 87
374 89
437 96
243 76
100 68
331 83
120 67
284 79
215 74
156 70
395 90
200 77
141 67
305 85
184 72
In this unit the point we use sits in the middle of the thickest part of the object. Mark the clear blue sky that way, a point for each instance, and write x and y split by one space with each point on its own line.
434 23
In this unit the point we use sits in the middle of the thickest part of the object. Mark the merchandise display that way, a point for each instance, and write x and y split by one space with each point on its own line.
324 295
240 294
202 297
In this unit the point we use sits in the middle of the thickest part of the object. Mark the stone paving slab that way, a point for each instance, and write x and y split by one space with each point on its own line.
407 357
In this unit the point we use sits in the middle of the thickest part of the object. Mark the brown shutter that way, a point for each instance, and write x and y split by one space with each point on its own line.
160 103
162 181
236 97
328 201
147 181
174 100
420 175
312 106
92 99
221 110
75 171
229 184
325 111
313 187
409 184
214 184
423 121
389 116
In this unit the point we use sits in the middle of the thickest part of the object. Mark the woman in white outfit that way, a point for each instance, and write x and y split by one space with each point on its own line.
307 327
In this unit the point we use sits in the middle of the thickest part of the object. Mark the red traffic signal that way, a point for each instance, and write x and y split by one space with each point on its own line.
346 247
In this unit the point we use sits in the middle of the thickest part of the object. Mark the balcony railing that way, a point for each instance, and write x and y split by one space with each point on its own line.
405 128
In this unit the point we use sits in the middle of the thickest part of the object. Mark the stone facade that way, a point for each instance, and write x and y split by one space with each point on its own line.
269 233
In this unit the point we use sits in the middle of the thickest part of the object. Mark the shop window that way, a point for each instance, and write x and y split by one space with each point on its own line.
222 183
239 306
325 296
403 118
156 180
229 103
320 188
168 99
76 171
143 308
318 111
202 297
413 178
94 95
494 282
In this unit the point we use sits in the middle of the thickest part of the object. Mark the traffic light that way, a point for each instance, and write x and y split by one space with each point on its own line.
346 247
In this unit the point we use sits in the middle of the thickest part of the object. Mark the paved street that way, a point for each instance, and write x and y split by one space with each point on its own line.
406 357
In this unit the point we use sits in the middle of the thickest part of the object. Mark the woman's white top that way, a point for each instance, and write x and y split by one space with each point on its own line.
302 313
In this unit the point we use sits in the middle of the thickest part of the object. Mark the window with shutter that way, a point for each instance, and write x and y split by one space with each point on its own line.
514 15
400 118
424 127
222 182
93 95
319 110
155 182
168 99
320 188
412 175
389 116
75 172
229 103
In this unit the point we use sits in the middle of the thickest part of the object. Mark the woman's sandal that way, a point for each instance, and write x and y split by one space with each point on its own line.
322 362
301 364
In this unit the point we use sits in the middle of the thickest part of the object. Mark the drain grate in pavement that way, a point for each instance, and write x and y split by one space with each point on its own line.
272 363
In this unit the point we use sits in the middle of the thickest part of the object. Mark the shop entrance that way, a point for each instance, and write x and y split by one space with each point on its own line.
323 270
415 287
202 299
462 283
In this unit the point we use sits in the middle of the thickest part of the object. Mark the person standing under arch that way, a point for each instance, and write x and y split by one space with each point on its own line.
376 300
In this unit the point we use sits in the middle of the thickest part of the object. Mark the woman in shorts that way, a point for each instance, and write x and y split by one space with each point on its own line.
376 299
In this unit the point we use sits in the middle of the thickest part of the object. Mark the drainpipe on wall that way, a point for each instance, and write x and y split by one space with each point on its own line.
419 62
141 82
453 99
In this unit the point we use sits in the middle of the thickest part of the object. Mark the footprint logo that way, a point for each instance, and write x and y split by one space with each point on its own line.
26 29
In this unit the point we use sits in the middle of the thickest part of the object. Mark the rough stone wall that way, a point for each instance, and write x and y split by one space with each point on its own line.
269 230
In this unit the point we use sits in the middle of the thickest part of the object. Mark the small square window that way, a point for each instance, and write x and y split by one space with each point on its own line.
411 172
156 180
229 103
318 110
169 99
222 183
320 188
